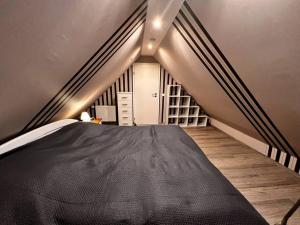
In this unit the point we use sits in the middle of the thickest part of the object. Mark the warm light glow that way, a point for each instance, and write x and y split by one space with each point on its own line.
157 23
150 46
85 117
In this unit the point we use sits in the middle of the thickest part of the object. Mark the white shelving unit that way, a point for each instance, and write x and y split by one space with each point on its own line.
179 111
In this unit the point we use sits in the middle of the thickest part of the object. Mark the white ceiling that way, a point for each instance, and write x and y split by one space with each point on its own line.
166 11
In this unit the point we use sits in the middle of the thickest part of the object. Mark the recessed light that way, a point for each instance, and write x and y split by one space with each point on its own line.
157 23
150 46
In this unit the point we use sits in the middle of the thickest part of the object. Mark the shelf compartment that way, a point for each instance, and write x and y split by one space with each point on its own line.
173 121
192 121
182 121
183 112
202 121
194 111
173 112
174 101
184 101
174 90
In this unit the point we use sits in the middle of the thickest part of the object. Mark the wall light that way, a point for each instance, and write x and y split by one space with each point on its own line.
150 46
85 117
157 23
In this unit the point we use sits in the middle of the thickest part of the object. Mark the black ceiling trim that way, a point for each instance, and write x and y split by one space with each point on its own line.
227 84
219 82
234 85
107 50
94 71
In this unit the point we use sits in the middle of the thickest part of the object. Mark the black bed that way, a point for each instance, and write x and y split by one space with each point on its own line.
90 174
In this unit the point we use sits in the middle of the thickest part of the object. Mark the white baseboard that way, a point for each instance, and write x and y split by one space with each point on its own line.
257 145
240 136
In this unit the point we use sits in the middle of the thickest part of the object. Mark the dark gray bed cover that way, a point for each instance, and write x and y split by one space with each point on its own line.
90 174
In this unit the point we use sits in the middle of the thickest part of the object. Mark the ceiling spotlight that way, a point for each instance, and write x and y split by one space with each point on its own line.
157 23
150 46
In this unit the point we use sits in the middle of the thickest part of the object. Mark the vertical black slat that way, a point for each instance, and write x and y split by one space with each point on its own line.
130 79
231 81
297 167
219 82
269 151
238 78
115 94
94 110
113 100
80 70
102 98
96 69
106 93
119 84
91 110
225 82
127 80
124 82
164 87
110 96
277 155
287 160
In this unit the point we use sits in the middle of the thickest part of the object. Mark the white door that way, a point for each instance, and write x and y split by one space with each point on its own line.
146 93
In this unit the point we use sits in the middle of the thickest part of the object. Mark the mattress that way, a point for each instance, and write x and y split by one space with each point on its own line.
97 174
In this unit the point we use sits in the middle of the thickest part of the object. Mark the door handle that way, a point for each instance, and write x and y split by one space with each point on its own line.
154 95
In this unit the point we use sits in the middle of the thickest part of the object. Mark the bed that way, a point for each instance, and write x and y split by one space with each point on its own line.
98 174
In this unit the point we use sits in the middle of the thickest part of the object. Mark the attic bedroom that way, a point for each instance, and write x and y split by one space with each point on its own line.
150 112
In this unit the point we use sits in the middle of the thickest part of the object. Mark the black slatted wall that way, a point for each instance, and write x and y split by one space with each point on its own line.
125 84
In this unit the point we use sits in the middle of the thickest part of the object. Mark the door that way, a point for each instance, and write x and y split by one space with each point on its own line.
146 78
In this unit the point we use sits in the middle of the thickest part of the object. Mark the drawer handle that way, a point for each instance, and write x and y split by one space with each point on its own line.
123 97
124 110
125 123
124 104
125 116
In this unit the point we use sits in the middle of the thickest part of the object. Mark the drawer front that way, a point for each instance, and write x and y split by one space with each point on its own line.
125 111
124 97
125 104
125 121
126 124
125 117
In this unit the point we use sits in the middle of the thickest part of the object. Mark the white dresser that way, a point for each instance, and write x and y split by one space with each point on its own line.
125 108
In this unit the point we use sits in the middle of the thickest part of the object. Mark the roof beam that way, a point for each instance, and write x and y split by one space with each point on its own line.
165 11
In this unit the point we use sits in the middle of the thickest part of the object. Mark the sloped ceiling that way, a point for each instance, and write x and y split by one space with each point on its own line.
44 43
261 41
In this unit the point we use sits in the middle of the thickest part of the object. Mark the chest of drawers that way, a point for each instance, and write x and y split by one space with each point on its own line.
125 114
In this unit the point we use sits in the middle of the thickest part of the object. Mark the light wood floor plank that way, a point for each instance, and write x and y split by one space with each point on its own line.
271 188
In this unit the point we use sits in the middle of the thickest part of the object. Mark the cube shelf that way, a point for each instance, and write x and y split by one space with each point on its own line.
181 108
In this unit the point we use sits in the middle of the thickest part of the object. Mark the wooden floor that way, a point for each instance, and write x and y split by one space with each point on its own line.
271 188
